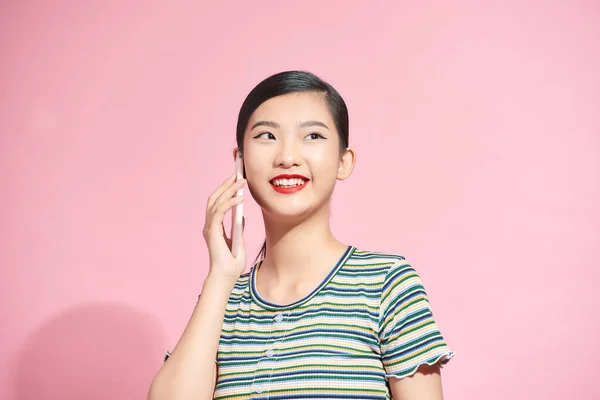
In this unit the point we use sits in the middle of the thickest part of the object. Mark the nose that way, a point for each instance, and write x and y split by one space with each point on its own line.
287 155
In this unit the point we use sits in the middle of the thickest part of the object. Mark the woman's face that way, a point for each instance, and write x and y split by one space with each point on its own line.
292 154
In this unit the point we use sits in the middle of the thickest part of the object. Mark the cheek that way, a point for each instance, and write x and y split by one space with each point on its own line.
250 172
325 167
255 170
252 161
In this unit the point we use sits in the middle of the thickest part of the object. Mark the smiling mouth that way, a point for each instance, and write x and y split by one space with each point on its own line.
288 184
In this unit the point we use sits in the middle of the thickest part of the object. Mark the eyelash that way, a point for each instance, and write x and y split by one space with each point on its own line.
264 133
319 136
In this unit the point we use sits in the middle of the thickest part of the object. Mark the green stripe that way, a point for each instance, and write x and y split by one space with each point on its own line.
381 326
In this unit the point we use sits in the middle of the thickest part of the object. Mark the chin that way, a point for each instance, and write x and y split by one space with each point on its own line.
289 215
288 207
286 210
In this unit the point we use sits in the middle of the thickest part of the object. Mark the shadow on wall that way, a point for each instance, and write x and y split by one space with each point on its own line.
92 352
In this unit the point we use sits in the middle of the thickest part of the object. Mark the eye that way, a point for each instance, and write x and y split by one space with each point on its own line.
265 135
314 136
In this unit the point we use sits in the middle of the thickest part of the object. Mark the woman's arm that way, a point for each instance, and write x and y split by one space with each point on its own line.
190 371
425 384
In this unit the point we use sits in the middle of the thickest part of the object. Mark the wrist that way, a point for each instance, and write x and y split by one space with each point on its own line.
220 280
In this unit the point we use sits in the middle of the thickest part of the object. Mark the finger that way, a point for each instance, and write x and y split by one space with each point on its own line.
226 205
229 192
216 214
219 211
215 195
243 223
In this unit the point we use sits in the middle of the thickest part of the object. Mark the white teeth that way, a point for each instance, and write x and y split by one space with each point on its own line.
288 182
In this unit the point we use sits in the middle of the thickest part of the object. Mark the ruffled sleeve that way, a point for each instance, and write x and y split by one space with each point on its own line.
408 334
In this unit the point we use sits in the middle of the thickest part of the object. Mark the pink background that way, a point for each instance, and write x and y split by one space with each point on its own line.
478 134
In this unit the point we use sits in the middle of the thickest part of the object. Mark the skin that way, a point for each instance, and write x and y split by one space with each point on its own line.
290 271
301 249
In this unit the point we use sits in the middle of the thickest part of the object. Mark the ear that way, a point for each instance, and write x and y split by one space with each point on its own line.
346 164
235 153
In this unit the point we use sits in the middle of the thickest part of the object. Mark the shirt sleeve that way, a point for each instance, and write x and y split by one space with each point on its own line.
408 334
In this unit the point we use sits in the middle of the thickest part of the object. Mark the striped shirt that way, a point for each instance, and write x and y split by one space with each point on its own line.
367 321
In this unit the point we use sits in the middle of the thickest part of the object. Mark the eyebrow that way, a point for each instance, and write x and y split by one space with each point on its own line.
307 124
270 124
275 125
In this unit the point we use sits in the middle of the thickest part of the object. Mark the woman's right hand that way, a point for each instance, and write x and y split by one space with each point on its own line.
222 262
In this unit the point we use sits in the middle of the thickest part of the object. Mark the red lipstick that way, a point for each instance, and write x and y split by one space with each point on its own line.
291 189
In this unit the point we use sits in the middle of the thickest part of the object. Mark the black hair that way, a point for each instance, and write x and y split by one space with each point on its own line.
291 82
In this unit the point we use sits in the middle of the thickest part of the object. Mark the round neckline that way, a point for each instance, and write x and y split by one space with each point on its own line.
279 307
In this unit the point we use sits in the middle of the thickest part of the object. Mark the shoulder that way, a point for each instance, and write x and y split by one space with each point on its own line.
377 260
393 270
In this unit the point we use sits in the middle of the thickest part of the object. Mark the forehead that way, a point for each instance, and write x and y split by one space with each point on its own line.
292 108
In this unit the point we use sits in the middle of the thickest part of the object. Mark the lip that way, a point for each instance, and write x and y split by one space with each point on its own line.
294 176
290 189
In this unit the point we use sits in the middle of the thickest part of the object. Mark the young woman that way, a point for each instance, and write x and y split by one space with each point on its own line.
314 318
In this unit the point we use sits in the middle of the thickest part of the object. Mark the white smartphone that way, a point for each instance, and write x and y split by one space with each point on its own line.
237 214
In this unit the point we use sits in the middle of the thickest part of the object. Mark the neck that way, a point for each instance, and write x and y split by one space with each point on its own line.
296 250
